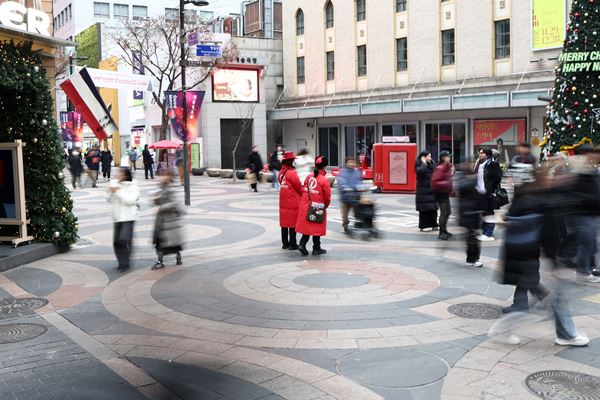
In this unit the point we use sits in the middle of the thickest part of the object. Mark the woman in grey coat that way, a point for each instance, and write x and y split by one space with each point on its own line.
168 228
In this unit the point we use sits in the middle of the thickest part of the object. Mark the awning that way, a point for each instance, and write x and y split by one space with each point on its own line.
34 37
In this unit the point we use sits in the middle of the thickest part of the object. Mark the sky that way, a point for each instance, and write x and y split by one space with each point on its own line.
224 7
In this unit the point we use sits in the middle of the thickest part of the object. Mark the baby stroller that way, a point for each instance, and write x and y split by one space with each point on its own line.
364 212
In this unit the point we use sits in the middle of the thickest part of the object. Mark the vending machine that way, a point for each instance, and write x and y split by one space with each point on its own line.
394 167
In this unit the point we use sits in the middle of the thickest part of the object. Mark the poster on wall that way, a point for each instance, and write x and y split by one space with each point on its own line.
548 24
235 85
500 134
7 185
398 168
175 112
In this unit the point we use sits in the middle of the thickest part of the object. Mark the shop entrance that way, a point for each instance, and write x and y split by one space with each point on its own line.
450 136
359 142
329 144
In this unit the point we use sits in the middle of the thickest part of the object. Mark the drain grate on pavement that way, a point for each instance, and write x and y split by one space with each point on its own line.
15 333
84 242
476 310
19 307
556 384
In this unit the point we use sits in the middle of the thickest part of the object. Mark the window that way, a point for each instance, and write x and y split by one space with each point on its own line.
409 130
299 23
362 60
140 12
359 142
300 70
400 5
330 65
401 54
503 39
171 14
329 144
329 15
121 11
361 10
448 47
70 12
101 10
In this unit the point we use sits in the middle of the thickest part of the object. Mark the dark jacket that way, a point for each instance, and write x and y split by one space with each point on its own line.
147 157
274 162
75 165
92 160
468 201
586 193
425 199
106 158
524 159
254 163
168 227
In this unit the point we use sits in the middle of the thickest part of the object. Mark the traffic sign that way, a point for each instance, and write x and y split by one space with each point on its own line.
193 38
206 50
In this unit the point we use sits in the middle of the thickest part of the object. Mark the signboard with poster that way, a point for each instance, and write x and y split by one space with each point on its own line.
500 134
548 24
235 85
13 215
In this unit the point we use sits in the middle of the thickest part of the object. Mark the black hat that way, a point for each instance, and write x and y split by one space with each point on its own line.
445 153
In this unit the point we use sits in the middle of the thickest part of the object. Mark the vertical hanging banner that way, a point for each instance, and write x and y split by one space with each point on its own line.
138 69
548 24
175 112
71 125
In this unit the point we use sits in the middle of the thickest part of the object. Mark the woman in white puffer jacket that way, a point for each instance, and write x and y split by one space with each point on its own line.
305 165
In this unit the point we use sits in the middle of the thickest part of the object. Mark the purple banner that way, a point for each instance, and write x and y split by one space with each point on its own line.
175 112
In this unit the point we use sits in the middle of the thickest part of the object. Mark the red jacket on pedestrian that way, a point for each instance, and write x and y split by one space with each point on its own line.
320 192
289 197
441 180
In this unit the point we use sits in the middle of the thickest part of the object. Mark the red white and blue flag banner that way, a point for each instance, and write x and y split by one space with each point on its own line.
175 112
82 92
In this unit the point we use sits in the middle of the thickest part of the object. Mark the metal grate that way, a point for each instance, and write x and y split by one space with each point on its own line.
15 333
20 307
476 310
556 384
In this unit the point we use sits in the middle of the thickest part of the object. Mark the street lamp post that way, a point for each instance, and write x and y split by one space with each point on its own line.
182 35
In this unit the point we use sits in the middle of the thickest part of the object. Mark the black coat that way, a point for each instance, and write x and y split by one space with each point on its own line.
468 204
425 199
75 165
147 157
106 158
254 162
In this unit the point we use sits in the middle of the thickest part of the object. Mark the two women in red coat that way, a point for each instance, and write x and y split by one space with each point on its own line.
289 201
317 192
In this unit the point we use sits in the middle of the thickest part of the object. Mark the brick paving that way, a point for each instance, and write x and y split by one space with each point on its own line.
243 319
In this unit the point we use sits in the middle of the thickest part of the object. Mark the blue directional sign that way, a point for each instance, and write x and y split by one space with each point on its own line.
206 50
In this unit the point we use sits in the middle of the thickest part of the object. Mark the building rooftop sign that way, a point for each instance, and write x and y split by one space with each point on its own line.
14 15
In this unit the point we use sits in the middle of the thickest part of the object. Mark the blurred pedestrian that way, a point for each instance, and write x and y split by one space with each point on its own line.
469 212
425 199
123 196
254 166
75 167
107 159
289 201
349 181
441 183
148 162
312 215
275 165
489 176
168 235
92 161
179 165
305 165
524 155
133 156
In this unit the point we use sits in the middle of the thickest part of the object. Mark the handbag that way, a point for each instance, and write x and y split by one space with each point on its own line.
316 211
499 198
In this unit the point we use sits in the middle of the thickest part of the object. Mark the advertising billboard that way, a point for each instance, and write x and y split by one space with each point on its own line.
548 24
175 112
501 134
235 85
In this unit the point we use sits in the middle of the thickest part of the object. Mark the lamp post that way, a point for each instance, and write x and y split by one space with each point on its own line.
182 35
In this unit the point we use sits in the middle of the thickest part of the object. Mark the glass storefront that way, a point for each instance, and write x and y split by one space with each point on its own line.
329 144
449 136
409 130
359 142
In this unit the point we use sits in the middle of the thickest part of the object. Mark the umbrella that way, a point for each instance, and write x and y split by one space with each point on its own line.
165 144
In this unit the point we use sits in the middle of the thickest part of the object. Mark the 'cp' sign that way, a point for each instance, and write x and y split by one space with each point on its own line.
17 16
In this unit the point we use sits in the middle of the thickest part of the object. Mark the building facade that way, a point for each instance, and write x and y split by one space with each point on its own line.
449 74
262 18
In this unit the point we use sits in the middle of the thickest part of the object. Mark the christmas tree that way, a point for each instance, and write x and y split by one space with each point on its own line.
26 113
574 111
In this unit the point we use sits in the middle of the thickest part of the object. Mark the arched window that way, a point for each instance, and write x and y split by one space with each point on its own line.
299 23
329 15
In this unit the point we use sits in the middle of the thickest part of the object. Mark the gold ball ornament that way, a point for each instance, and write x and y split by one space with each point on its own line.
34 140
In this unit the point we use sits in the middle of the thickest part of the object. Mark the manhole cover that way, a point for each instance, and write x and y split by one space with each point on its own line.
476 310
84 242
17 307
20 332
555 385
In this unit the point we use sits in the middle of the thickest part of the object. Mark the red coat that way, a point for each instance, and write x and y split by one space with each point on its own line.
289 197
441 180
320 192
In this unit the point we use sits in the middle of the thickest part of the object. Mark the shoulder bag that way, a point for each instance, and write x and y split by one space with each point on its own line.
316 211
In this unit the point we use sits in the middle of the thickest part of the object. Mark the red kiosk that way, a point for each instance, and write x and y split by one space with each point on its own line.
393 169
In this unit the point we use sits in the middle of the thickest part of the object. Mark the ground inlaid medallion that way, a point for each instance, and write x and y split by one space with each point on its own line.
476 310
15 333
554 385
18 307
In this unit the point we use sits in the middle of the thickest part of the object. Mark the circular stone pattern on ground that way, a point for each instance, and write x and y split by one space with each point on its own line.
556 384
476 310
16 307
393 368
15 333
331 280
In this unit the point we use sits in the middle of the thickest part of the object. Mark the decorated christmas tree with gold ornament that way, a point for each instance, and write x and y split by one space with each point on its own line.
573 116
26 114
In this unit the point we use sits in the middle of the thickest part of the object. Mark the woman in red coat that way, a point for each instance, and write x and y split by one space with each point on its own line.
289 201
317 192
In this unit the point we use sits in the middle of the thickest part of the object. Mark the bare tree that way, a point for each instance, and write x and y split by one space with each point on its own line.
157 40
245 113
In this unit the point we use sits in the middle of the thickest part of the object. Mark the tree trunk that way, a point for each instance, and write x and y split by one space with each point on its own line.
234 170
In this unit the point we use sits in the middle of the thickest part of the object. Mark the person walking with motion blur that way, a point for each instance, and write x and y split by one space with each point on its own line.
168 228
441 183
107 159
289 201
92 161
148 162
469 212
123 196
254 166
425 199
133 156
312 215
275 165
489 176
75 167
349 181
305 165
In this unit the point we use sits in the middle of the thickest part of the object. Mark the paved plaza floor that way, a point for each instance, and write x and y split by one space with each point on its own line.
401 317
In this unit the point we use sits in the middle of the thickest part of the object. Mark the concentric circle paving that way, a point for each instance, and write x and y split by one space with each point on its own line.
17 307
476 310
555 384
331 280
393 368
15 333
